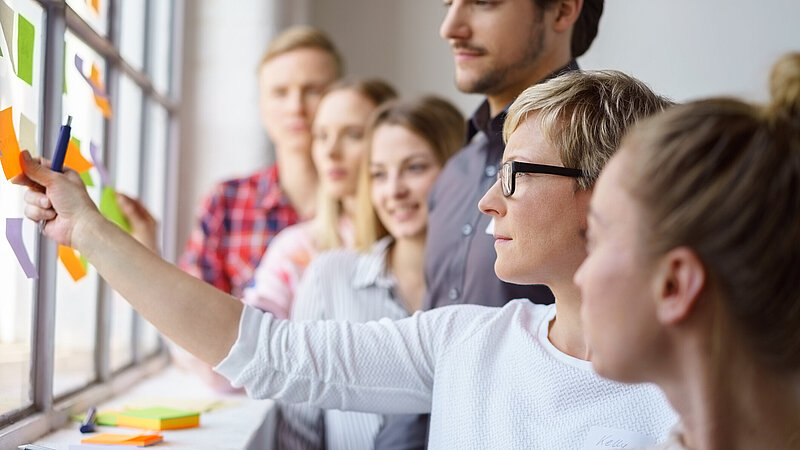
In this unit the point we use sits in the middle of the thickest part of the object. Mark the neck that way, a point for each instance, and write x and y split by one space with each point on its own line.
298 179
737 404
406 258
543 68
566 330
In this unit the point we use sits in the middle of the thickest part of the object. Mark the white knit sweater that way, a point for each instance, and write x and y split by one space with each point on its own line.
489 377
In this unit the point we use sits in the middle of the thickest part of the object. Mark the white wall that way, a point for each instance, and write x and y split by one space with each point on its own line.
682 48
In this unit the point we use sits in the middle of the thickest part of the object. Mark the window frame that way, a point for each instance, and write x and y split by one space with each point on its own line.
48 412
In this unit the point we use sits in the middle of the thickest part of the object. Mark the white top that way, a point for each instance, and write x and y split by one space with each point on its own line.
489 377
340 285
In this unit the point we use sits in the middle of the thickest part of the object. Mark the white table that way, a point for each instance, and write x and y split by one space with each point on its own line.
245 424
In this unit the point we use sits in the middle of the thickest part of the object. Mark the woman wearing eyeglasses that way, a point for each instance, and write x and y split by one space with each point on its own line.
511 377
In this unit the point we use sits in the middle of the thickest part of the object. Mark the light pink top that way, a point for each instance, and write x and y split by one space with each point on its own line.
277 276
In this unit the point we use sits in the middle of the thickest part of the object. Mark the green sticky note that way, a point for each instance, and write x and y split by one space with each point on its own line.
26 34
84 263
87 179
110 209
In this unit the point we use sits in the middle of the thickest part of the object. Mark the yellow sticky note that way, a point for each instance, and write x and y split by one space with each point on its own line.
27 135
72 262
9 147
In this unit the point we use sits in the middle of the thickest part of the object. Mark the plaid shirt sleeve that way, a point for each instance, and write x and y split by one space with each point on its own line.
204 256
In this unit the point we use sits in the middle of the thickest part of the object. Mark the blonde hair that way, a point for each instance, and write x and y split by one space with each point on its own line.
300 37
722 177
327 221
584 115
433 119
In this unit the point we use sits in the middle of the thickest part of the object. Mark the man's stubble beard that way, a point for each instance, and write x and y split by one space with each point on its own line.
495 80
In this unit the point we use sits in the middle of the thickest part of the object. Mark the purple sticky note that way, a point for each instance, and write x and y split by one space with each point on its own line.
14 236
95 153
79 63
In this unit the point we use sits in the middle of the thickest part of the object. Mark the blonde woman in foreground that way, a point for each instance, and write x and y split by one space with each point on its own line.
511 377
693 276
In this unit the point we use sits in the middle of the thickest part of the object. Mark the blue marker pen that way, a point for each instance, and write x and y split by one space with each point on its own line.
61 146
87 426
61 152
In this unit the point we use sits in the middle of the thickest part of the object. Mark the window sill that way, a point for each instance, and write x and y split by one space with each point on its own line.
244 424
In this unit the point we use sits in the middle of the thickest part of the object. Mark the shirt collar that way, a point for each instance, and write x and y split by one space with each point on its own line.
269 193
493 127
371 267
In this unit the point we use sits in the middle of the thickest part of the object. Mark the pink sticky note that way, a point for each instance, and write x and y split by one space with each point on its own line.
14 236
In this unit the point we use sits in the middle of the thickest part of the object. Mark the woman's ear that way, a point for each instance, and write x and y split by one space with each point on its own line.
679 279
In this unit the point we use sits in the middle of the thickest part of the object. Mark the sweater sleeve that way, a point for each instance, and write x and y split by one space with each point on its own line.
380 367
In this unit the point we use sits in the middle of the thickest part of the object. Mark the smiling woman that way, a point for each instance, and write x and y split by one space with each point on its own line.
409 143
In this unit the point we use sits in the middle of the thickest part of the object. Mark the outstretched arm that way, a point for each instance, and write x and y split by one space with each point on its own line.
193 314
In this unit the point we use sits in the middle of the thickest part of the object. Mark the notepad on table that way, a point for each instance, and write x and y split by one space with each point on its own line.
158 418
135 440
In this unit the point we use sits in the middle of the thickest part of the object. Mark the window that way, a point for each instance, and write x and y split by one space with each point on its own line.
65 332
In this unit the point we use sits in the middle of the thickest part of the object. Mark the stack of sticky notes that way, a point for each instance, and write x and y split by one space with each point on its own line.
158 418
136 440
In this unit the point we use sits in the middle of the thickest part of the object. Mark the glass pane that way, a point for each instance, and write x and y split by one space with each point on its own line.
93 12
160 27
76 300
155 188
22 48
127 162
131 29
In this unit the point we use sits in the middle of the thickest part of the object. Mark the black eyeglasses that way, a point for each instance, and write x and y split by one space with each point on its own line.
510 169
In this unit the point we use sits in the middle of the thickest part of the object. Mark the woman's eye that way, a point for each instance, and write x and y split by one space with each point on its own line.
417 168
377 175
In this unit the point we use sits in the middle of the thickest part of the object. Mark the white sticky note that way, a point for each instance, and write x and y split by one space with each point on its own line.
490 227
605 438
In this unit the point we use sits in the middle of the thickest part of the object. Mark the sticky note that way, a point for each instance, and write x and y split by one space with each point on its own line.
95 4
139 440
14 237
109 207
104 105
74 159
94 152
86 178
72 262
27 135
25 36
9 147
7 22
158 418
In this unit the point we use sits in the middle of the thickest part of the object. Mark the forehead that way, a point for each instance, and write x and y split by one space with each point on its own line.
343 106
305 64
392 143
610 197
528 143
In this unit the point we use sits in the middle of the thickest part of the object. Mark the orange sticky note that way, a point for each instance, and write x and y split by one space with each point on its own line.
74 159
71 262
137 440
95 4
9 146
104 105
94 77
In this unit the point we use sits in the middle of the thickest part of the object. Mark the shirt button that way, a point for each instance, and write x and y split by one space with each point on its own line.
490 171
466 230
453 293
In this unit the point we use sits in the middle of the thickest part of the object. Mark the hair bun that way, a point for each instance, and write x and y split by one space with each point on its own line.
784 87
